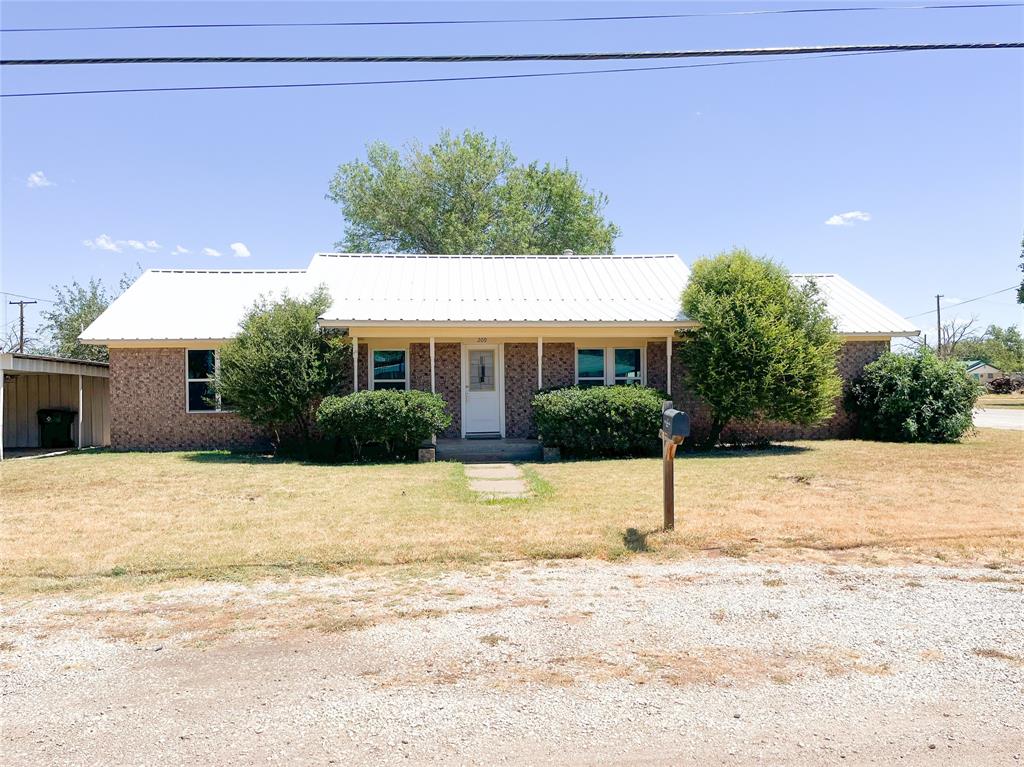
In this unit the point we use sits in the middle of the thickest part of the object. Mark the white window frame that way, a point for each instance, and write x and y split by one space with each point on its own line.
219 408
609 361
369 358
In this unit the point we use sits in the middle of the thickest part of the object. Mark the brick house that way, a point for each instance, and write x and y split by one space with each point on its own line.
484 332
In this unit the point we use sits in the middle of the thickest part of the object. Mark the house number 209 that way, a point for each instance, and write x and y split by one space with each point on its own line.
482 340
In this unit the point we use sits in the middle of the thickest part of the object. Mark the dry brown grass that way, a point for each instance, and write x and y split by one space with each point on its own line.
109 518
1001 400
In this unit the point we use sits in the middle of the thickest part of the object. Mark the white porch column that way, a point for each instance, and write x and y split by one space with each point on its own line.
668 366
81 414
540 362
355 363
433 384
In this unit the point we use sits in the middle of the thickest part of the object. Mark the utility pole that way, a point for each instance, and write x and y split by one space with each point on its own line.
21 322
938 327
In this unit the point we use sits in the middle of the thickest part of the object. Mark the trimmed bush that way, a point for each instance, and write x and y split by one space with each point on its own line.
913 398
396 422
600 421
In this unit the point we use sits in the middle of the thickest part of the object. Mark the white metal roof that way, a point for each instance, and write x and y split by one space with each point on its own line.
856 312
170 304
399 289
371 288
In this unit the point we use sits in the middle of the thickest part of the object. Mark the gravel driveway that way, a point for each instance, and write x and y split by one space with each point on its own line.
714 661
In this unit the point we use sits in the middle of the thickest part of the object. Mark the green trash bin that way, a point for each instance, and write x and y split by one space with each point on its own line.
55 427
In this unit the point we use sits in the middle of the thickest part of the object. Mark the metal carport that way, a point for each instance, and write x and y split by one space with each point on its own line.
32 382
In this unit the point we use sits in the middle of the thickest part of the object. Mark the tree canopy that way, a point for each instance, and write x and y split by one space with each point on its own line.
1001 347
281 365
765 347
466 194
73 310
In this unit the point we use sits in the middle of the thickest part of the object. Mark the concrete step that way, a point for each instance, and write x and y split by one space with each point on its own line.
488 450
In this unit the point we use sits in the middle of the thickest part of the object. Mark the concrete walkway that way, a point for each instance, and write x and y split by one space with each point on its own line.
497 480
999 418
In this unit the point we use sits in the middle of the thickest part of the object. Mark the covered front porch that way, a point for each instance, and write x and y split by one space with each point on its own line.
488 374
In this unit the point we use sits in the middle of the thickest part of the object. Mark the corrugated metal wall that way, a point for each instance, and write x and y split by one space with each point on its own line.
26 393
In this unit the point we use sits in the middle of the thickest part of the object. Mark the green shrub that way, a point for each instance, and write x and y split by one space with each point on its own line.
600 421
397 422
913 398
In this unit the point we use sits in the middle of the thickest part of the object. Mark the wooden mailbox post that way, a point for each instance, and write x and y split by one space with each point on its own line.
675 427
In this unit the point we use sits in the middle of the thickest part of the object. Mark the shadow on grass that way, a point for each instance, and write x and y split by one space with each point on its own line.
745 452
718 452
224 456
228 457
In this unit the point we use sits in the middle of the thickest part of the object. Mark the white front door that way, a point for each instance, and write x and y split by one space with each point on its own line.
481 390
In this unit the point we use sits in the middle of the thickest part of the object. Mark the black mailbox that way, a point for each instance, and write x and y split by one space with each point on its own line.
675 424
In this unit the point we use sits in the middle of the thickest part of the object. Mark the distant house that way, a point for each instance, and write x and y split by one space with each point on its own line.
484 332
983 372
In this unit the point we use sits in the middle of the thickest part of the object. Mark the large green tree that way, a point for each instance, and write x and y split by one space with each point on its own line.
281 365
466 194
1002 347
73 310
765 346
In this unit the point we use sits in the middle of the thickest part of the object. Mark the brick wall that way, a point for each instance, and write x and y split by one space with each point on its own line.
853 356
147 407
520 386
559 365
447 378
419 367
656 373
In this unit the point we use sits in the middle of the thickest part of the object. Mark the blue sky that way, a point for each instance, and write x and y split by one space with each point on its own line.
926 147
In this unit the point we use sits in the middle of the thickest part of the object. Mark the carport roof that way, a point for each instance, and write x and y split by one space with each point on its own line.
40 363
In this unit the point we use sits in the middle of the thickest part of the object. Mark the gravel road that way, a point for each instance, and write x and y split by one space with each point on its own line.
714 662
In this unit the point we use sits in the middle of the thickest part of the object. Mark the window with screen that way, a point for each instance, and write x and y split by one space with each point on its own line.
389 369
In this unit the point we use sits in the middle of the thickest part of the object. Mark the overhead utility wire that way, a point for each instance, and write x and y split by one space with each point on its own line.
21 295
491 58
442 22
413 81
968 301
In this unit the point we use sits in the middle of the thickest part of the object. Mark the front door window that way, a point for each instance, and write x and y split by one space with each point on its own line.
481 370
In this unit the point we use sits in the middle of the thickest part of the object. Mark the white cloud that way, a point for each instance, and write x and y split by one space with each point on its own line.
37 180
239 250
104 242
149 246
848 218
180 251
211 252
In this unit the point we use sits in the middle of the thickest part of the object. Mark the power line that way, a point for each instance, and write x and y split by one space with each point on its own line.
495 58
567 19
961 303
20 295
413 81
